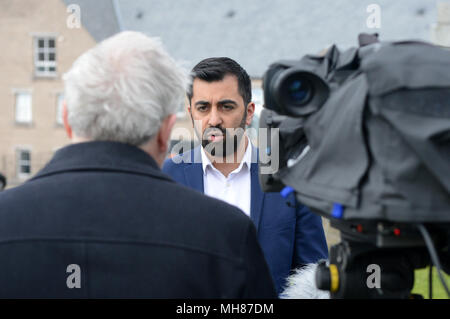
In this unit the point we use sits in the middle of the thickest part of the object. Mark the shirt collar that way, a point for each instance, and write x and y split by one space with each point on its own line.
246 159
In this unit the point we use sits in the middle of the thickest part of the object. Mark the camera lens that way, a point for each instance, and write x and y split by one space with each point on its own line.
299 91
293 91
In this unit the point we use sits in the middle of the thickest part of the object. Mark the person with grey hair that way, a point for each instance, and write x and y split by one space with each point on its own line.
101 220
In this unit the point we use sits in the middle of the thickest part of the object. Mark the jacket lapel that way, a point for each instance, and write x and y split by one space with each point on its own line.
194 176
193 172
257 197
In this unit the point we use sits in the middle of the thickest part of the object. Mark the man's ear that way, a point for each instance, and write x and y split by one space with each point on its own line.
65 115
189 111
164 132
250 113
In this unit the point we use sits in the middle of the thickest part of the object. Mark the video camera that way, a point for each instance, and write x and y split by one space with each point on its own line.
364 140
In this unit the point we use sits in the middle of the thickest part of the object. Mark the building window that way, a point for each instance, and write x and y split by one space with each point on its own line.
23 107
23 163
59 108
45 56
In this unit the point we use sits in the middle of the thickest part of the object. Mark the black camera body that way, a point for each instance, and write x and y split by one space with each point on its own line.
364 140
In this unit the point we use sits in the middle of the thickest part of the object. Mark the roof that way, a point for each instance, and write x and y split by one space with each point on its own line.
258 32
255 32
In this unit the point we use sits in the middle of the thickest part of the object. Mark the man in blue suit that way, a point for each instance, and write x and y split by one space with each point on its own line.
225 166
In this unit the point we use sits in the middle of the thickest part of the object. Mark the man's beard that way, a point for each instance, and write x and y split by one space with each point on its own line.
228 145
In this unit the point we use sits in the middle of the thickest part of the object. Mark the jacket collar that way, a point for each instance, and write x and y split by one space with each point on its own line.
257 195
102 155
245 162
193 173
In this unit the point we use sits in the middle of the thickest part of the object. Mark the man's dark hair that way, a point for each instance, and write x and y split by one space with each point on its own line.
215 69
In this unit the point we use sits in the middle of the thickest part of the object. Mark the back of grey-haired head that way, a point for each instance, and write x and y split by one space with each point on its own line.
123 88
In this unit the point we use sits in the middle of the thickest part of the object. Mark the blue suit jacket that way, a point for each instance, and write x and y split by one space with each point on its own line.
289 236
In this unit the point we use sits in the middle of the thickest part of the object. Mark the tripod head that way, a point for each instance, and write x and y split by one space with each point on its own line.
382 268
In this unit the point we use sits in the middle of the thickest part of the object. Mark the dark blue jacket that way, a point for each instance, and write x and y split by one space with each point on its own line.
289 236
134 233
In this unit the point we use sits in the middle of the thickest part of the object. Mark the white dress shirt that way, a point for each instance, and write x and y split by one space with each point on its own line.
234 189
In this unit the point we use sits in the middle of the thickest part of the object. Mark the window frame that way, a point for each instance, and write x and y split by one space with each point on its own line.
18 92
46 50
20 162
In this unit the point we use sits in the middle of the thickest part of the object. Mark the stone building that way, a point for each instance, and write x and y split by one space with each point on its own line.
41 40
